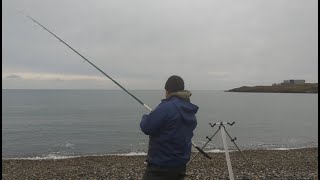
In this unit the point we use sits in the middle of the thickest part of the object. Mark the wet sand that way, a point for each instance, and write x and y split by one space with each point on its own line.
269 164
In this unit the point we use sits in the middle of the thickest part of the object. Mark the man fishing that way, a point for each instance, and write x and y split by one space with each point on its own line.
170 128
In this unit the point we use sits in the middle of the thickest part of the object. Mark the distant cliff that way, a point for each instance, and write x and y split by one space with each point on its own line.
280 88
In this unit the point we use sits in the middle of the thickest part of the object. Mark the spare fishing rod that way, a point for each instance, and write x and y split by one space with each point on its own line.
143 104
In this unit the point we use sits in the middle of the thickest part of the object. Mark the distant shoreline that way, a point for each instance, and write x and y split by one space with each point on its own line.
309 88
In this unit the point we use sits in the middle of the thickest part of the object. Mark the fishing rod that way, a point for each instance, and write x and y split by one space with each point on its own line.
143 104
91 63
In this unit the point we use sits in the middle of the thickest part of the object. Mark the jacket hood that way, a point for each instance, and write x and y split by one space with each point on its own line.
187 109
185 95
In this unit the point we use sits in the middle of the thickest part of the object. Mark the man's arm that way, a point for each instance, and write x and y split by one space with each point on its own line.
152 123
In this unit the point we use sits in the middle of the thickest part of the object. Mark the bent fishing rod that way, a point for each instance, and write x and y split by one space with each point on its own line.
143 104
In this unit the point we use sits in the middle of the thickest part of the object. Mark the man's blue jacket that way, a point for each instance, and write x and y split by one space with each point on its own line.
170 128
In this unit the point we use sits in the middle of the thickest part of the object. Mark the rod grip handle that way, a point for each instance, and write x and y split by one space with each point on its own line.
202 152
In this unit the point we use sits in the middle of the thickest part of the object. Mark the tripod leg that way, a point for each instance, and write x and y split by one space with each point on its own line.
225 145
232 140
209 139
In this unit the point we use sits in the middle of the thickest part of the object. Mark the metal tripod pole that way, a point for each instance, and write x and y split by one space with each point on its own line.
232 140
226 151
209 139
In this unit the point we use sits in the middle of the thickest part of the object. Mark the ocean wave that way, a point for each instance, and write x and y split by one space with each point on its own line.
56 156
284 148
130 154
46 157
217 151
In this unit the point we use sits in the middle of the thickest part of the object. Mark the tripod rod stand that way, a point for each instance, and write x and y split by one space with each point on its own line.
223 134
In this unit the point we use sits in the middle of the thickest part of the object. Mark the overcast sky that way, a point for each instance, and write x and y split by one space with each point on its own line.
211 44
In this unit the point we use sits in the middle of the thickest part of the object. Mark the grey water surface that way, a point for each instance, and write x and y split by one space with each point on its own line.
51 123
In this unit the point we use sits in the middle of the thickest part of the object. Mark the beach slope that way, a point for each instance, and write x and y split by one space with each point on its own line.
270 164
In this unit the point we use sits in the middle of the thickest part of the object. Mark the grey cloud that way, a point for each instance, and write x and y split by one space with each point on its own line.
13 76
256 41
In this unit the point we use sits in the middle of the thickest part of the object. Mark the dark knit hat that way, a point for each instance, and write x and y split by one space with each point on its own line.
174 83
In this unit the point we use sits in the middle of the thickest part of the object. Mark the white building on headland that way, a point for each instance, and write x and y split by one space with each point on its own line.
294 81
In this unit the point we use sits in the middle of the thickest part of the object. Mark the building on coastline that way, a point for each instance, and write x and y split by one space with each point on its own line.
294 81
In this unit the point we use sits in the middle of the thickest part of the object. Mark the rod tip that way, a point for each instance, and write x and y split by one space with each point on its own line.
21 12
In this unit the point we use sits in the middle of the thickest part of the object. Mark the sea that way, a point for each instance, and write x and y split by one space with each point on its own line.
54 124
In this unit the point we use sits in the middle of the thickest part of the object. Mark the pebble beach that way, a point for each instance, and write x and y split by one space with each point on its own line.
269 164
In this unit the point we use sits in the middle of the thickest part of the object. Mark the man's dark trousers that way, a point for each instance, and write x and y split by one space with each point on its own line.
163 173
